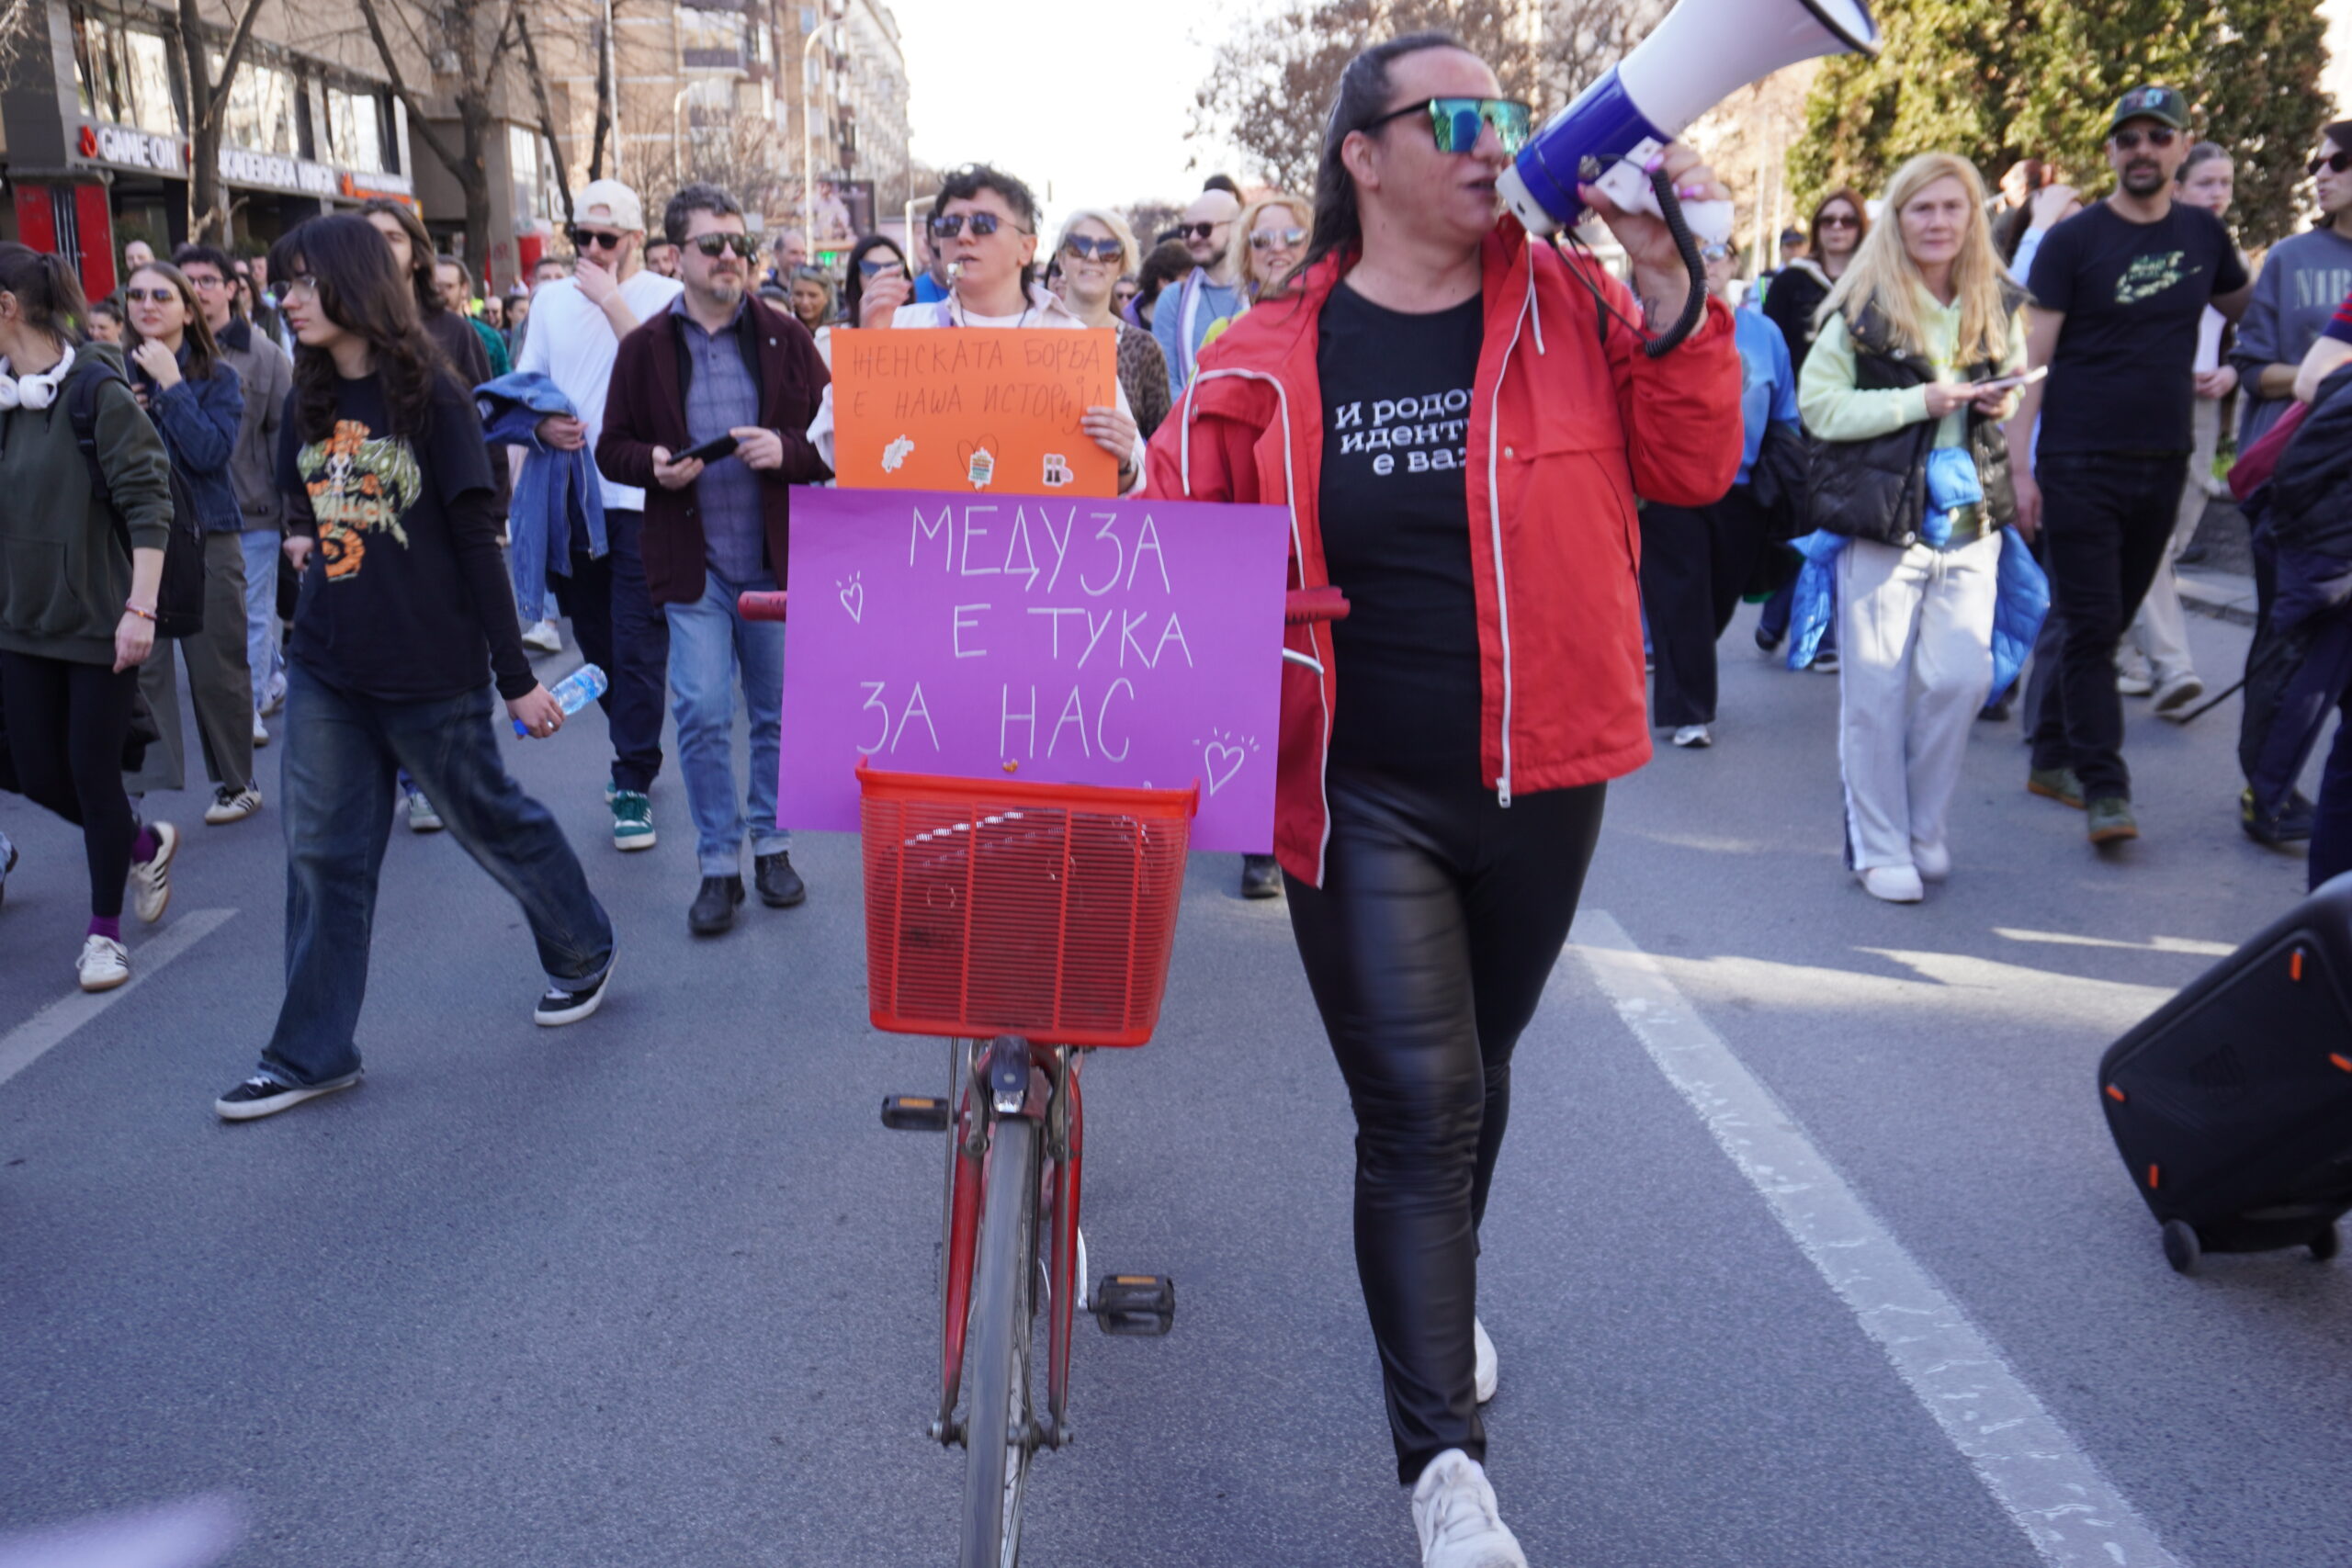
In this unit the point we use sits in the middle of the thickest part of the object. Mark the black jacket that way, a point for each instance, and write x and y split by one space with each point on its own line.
1877 488
2311 490
1796 293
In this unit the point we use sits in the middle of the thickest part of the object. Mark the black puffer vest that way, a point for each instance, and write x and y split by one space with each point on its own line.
1877 488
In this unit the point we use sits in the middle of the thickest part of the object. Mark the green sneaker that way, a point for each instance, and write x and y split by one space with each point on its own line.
632 818
2111 821
2056 784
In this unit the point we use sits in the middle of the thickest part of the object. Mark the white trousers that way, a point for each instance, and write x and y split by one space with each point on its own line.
1915 640
2160 630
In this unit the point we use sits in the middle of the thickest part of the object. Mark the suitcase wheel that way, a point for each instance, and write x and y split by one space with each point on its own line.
2182 1248
2324 1245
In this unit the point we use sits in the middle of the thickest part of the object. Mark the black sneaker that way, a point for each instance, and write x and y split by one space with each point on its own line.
261 1095
562 1005
713 911
2284 829
1261 877
1767 641
780 886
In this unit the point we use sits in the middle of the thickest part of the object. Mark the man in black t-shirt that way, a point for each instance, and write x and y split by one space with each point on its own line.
2118 292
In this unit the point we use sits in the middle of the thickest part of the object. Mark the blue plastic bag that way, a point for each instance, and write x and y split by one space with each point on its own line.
1952 485
1816 600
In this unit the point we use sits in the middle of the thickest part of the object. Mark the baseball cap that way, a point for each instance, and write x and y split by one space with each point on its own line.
2164 105
624 212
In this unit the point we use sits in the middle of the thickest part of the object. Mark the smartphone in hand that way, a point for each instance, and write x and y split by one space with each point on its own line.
709 451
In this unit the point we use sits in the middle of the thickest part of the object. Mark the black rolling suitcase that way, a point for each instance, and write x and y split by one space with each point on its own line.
2232 1104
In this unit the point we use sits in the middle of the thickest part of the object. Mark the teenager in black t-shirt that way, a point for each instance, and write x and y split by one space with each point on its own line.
2119 290
404 618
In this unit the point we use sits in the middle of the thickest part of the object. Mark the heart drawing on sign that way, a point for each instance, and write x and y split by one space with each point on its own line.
853 596
1221 758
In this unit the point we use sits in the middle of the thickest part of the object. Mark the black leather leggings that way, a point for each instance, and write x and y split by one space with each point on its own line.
1440 917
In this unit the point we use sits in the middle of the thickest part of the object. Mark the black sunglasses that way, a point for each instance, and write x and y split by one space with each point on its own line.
145 296
949 225
2333 162
2156 136
714 245
1200 231
1081 248
583 238
1838 220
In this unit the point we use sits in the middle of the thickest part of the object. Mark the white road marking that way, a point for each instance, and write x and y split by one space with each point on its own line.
2071 1514
2186 944
29 1041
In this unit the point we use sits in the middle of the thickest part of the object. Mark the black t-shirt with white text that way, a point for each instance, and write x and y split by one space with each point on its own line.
2122 379
1394 506
405 597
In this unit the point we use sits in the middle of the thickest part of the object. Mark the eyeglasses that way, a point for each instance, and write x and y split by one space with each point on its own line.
582 238
2333 162
949 225
2156 136
302 286
204 279
1838 220
715 245
1457 123
150 296
1715 253
1269 239
1200 231
1077 247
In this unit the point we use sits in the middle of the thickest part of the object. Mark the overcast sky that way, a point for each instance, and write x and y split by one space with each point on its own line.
1091 98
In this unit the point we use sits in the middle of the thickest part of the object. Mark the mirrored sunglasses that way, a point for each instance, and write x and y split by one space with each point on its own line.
1079 248
1457 123
1269 239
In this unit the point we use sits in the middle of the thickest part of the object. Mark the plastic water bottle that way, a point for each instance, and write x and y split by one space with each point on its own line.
574 692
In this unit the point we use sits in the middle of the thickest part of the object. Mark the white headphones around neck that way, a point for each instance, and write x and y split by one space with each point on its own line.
35 392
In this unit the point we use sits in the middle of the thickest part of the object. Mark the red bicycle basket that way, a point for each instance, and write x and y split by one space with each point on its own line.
1046 910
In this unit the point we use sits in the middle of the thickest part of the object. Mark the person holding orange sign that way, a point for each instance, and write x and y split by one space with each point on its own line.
985 222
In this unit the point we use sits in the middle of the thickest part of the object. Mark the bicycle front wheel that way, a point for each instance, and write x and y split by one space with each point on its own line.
999 1429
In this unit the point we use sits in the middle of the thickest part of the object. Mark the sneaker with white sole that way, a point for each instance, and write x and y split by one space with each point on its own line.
1825 662
1455 1515
261 731
274 694
151 880
569 1004
7 862
2131 676
1696 736
632 818
261 1095
543 637
231 806
1933 862
2175 694
421 817
1486 1369
104 965
1894 883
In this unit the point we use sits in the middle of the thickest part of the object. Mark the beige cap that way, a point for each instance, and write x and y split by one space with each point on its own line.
621 208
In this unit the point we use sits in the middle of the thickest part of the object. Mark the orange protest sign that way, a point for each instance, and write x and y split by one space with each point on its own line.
973 410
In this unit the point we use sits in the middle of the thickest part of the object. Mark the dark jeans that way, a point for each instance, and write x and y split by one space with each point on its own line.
1696 561
621 631
2331 849
66 723
2106 519
1440 917
341 753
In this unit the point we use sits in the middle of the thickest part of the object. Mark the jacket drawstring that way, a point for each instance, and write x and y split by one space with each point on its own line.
1534 307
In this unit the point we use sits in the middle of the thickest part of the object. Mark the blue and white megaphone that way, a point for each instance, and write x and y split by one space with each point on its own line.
1701 54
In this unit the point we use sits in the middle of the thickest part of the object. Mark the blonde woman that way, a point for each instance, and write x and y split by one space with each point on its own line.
1911 373
1269 241
1096 250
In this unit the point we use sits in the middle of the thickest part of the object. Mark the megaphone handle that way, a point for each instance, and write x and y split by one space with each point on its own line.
1694 305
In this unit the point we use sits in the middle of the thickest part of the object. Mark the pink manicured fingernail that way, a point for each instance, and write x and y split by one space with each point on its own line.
1654 165
1692 193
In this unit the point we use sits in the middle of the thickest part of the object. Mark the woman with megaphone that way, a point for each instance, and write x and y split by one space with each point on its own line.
1920 352
1459 418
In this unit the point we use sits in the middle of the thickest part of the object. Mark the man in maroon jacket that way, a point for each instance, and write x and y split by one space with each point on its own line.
718 365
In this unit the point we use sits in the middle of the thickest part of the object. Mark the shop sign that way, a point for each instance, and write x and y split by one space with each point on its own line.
241 166
132 149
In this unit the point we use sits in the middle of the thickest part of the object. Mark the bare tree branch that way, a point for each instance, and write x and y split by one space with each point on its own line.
417 123
546 110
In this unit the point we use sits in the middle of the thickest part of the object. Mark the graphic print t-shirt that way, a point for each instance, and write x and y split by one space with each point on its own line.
388 607
1395 517
2123 375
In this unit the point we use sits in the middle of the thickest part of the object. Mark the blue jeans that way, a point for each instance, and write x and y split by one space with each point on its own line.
341 751
710 643
262 658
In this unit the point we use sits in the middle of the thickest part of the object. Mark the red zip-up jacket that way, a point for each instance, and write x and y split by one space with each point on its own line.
1569 421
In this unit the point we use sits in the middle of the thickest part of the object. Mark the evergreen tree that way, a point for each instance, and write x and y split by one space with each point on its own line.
2000 80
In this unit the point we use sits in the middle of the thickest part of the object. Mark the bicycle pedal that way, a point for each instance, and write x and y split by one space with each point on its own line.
1136 1305
914 1113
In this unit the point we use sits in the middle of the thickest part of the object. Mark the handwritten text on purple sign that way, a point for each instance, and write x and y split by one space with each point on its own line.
1078 641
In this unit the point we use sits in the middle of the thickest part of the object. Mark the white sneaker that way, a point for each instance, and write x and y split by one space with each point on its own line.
2176 694
1695 736
1895 883
261 731
274 694
2131 676
1454 1513
1488 1368
151 880
104 963
1933 862
229 807
543 637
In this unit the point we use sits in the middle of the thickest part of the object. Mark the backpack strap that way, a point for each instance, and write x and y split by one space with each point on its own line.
82 409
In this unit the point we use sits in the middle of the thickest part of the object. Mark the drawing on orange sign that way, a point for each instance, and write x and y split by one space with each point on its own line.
972 411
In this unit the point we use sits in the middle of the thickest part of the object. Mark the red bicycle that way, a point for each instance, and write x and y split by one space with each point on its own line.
1031 925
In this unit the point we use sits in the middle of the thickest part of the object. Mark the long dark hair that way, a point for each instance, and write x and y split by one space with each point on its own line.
203 354
46 290
1364 97
420 252
853 289
362 292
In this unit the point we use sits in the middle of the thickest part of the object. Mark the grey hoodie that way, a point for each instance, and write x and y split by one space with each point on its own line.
2303 280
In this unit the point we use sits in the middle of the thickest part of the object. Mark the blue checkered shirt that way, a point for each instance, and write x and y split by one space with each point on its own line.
721 396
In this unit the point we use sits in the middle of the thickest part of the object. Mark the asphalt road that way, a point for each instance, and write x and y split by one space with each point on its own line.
657 1289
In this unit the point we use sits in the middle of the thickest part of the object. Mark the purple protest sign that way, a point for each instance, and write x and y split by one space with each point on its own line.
1068 640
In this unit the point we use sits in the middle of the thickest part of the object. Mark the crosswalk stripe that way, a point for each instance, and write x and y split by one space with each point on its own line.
34 1038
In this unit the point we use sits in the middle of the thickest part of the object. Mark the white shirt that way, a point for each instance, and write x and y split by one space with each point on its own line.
1044 310
572 344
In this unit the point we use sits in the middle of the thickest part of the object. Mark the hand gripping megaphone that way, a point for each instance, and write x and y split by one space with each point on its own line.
1702 52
